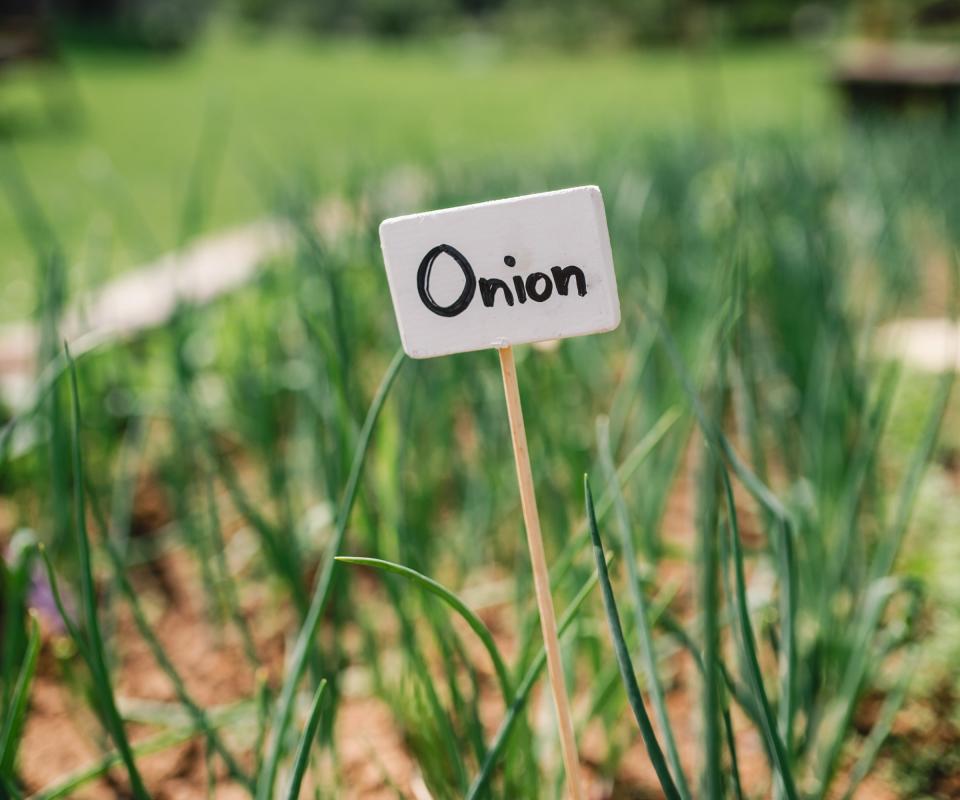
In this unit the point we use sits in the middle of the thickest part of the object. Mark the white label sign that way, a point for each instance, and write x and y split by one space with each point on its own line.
506 272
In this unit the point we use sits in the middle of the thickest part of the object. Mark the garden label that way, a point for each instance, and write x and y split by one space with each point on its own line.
496 274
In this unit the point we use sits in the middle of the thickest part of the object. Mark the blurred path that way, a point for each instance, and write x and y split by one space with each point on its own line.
929 345
147 296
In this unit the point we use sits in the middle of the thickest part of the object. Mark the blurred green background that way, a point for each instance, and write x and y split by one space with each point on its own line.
109 120
334 108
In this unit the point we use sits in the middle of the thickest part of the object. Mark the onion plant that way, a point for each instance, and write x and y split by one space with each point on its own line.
747 504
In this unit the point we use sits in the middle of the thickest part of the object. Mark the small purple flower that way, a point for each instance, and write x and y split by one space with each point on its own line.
40 597
28 574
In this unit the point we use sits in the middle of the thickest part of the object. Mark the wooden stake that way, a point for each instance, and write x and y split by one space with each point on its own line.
541 577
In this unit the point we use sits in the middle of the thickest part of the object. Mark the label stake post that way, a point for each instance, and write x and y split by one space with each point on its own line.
541 577
496 274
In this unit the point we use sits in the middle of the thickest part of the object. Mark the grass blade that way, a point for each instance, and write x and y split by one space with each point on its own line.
479 784
454 602
68 622
732 750
735 689
623 657
197 713
862 663
768 724
303 751
96 659
625 472
109 531
9 788
640 610
281 559
14 714
883 726
707 532
308 630
763 495
886 555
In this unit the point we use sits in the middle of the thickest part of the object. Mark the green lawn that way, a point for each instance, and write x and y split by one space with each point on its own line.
114 188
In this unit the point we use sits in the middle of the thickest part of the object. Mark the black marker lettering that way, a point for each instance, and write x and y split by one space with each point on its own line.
423 281
521 292
488 291
537 286
537 294
561 277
